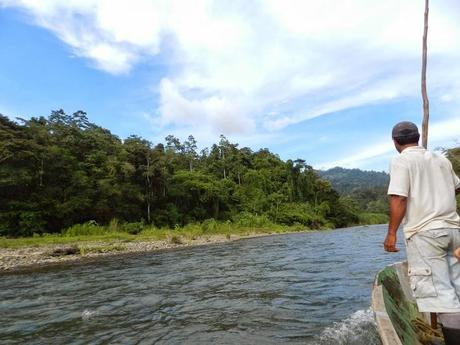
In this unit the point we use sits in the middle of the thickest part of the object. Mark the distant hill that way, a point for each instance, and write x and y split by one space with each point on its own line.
348 181
367 190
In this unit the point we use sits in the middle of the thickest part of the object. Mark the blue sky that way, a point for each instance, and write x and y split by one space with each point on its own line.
323 81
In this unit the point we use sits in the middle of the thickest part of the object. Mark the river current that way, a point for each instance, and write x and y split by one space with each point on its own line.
304 288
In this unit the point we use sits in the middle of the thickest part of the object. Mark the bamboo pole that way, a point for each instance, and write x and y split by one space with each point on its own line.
426 104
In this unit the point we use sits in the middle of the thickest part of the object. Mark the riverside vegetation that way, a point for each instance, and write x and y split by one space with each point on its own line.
92 240
64 179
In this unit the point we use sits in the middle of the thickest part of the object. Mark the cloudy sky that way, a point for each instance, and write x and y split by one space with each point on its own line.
320 80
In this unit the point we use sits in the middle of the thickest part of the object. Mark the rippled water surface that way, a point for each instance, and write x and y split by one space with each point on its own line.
307 288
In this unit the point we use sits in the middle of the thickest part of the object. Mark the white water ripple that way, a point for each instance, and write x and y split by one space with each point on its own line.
88 314
358 329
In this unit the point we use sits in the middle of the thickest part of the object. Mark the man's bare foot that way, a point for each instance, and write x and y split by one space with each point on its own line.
457 253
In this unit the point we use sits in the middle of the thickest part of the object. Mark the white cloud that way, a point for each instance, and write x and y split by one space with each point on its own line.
245 67
359 157
442 133
220 114
384 91
113 34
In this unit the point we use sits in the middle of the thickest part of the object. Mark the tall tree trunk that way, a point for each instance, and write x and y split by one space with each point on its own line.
42 171
222 156
149 188
426 104
148 212
216 209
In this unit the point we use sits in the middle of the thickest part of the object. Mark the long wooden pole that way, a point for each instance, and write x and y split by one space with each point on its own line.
426 110
426 103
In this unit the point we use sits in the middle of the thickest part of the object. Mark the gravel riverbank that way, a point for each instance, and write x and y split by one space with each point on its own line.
18 259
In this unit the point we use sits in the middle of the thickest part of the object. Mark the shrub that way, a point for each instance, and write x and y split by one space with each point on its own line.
133 228
299 213
191 231
21 223
90 228
209 225
373 218
30 222
150 230
175 239
113 225
246 219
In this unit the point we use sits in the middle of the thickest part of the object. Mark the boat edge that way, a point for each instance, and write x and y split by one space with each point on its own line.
385 328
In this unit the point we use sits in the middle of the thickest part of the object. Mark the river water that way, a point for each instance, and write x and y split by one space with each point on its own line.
305 288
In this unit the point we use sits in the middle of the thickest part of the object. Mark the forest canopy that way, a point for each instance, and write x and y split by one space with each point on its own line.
64 170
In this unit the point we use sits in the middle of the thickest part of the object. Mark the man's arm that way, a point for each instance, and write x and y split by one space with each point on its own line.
398 205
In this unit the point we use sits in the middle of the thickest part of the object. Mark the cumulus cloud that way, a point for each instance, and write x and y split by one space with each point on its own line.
240 66
215 112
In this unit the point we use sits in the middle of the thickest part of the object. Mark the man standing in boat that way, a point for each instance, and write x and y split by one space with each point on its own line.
422 192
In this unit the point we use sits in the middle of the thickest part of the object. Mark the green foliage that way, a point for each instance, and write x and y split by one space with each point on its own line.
87 229
347 181
114 225
249 220
132 228
106 240
64 172
454 157
209 225
174 239
299 213
373 218
362 193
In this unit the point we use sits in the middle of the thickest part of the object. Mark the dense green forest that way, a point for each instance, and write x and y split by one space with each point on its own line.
64 170
365 190
348 181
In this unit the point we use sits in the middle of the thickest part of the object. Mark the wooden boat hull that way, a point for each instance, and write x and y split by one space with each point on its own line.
398 320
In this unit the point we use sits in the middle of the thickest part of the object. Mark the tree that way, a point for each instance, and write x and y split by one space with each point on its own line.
62 170
190 151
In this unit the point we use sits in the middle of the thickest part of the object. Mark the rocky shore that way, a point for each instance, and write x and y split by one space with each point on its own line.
26 258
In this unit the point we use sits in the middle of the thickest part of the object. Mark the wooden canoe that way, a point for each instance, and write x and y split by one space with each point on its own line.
398 320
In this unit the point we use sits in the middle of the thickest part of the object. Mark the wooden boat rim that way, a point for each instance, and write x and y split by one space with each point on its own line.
385 328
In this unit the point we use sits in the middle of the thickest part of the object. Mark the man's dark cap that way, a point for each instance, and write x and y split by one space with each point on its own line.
405 129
